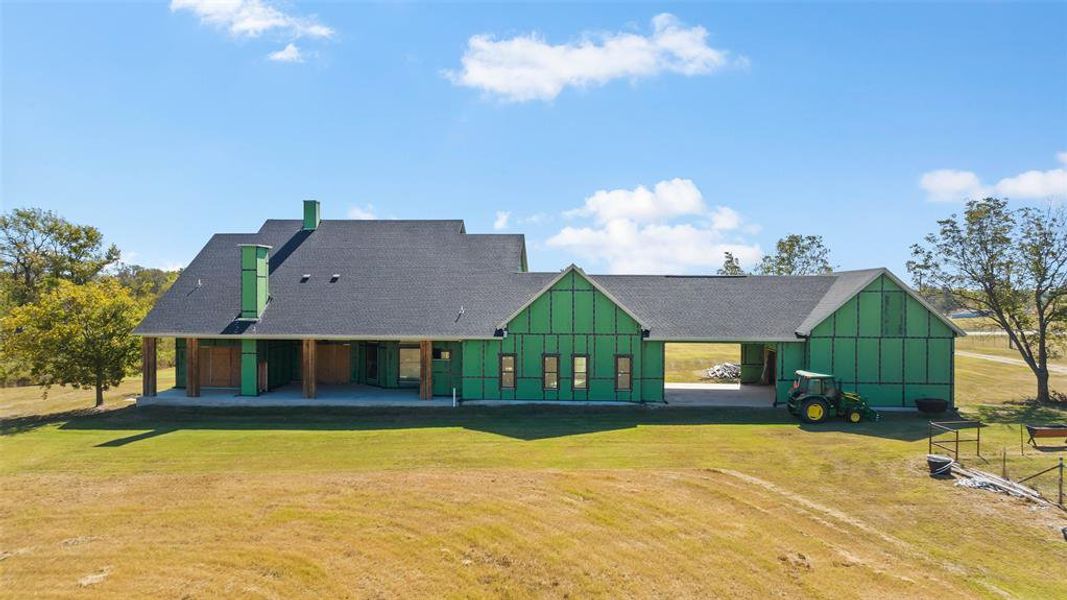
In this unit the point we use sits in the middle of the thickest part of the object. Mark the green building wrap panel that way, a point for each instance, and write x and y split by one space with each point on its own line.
447 372
790 357
249 367
846 319
820 350
571 318
180 362
751 362
845 359
254 280
885 345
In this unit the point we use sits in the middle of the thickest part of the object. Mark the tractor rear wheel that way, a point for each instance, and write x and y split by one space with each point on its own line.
814 410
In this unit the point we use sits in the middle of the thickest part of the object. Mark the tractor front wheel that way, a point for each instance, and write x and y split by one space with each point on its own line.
814 410
854 415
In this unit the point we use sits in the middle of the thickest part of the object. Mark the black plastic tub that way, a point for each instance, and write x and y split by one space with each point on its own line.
931 406
940 466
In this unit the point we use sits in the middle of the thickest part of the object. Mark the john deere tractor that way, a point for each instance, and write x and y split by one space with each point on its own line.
816 396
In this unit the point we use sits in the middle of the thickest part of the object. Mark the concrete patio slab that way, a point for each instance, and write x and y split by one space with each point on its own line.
719 394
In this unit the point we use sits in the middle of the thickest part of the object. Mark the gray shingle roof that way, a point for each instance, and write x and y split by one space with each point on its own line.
431 279
751 308
399 279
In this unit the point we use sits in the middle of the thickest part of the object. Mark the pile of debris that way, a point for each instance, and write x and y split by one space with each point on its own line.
981 480
727 370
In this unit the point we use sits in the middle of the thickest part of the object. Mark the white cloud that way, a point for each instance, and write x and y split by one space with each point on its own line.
665 200
527 67
948 185
1035 184
290 53
725 218
632 232
501 221
252 18
363 213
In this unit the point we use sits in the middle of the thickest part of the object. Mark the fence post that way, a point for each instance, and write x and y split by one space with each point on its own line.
1061 481
978 444
957 445
930 438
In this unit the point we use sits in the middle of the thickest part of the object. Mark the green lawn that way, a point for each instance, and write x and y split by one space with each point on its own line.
510 501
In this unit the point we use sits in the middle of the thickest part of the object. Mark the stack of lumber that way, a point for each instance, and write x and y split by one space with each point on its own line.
975 478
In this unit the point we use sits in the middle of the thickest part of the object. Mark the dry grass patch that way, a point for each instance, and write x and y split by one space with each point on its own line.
483 533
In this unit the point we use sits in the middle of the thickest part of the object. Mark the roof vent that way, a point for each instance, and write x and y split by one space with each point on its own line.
335 277
304 278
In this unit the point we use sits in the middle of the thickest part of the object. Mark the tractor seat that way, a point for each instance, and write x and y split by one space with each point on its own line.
833 394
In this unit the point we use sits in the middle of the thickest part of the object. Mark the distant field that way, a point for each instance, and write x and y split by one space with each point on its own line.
974 323
686 363
31 399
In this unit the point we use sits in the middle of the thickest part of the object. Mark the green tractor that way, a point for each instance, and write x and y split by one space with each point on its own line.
815 396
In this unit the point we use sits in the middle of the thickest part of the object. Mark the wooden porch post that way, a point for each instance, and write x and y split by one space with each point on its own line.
192 370
308 368
148 366
425 369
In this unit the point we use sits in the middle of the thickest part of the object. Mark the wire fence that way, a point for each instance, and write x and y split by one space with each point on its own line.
962 440
984 337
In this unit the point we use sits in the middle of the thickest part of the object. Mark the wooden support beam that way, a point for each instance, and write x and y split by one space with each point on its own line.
148 366
308 368
425 369
192 369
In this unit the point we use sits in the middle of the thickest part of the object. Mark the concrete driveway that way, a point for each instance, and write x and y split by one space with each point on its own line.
719 394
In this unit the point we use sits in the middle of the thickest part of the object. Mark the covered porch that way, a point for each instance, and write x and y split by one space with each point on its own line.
352 395
227 369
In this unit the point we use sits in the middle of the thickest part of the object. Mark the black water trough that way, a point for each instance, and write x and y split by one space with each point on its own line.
939 465
931 406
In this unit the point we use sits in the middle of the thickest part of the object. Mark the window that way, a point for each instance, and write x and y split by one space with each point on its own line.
410 366
441 354
550 371
507 371
623 375
580 364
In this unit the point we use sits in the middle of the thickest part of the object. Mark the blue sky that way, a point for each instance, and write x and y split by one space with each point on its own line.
627 138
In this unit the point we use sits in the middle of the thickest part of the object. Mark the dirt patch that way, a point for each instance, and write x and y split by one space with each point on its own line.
94 578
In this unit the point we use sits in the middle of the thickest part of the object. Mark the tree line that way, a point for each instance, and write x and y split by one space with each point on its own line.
68 305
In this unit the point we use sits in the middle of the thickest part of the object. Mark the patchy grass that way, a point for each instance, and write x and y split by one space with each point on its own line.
686 363
509 501
980 381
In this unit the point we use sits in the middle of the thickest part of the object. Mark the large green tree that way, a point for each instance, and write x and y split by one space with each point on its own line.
38 248
797 255
77 335
1010 264
145 283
